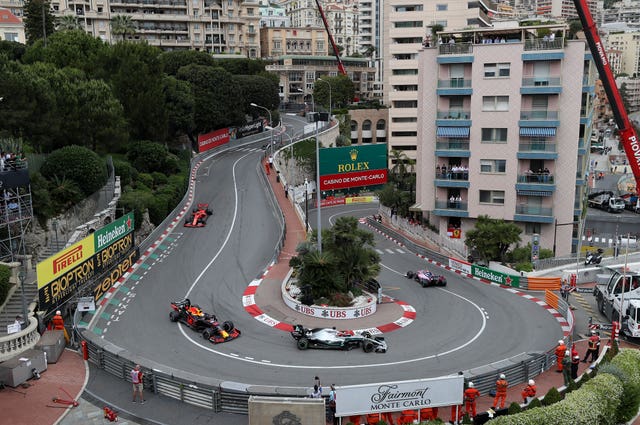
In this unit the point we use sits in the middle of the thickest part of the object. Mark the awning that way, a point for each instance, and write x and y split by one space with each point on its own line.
415 207
534 193
457 132
537 131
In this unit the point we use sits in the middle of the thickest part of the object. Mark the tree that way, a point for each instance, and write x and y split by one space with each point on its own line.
491 237
68 23
122 25
38 20
102 117
342 91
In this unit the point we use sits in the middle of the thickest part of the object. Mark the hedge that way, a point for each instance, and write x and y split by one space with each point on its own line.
603 400
5 274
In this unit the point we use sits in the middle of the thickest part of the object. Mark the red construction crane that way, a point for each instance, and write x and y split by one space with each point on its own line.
628 135
331 40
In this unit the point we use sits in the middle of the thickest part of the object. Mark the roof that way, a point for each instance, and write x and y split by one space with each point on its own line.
6 17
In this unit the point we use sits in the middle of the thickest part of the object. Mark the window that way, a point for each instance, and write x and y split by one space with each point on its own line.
11 36
493 70
405 104
410 8
492 197
404 134
405 72
493 165
495 103
494 135
404 119
408 24
406 87
442 7
531 228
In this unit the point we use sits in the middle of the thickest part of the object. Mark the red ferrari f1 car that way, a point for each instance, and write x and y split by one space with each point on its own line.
198 217
192 316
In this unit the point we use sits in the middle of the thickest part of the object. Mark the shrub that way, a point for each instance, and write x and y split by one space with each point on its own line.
552 396
5 285
514 408
144 181
159 179
534 403
147 156
124 170
339 299
524 267
626 366
78 164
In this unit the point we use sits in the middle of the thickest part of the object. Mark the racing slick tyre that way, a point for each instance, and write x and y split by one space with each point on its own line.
174 316
303 344
410 274
366 334
367 346
227 326
208 333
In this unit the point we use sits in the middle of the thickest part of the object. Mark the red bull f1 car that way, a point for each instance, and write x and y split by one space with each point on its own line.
426 278
198 217
332 339
192 316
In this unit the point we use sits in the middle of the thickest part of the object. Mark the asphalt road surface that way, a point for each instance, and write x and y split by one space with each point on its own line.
467 324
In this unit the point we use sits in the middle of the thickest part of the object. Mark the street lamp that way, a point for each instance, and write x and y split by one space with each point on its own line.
306 205
54 224
329 84
555 232
270 125
318 192
22 275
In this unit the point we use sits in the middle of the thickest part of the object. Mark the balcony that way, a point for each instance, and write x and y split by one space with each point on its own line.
538 115
537 150
454 114
458 179
451 209
454 87
455 49
542 44
452 148
541 85
536 182
533 214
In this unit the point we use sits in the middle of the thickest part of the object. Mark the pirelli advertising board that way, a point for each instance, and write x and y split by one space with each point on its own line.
353 166
62 274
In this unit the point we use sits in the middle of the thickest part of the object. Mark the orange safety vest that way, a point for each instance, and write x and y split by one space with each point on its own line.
470 394
501 386
560 350
530 390
58 322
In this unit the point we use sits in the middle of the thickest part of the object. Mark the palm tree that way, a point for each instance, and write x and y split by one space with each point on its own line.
399 160
68 23
122 25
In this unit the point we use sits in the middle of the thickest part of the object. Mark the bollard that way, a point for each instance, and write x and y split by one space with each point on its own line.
85 350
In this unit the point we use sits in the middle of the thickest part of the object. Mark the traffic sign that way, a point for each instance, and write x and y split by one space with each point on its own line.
584 290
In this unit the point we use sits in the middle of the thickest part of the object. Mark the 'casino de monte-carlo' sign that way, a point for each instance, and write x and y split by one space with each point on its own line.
396 396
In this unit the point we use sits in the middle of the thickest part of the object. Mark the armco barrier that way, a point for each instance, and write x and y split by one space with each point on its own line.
219 396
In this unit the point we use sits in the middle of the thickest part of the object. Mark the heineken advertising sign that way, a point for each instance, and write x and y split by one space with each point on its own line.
494 276
113 231
353 166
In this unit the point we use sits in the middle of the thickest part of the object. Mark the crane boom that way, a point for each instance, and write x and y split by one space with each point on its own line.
628 135
331 40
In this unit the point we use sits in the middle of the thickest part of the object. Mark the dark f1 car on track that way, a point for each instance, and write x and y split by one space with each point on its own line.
330 338
198 217
426 278
192 316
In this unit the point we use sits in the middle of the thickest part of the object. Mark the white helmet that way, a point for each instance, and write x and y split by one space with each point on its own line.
560 342
58 313
567 353
470 384
532 382
502 376
593 332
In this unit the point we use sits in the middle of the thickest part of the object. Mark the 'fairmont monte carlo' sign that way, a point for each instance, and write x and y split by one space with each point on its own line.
401 395
353 166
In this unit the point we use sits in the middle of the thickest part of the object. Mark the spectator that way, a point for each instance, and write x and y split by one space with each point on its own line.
316 393
18 321
136 380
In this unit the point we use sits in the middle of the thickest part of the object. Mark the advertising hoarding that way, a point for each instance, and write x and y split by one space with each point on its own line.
62 262
213 139
494 276
395 396
353 166
113 231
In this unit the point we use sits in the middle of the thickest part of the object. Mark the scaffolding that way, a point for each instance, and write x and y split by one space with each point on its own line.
16 211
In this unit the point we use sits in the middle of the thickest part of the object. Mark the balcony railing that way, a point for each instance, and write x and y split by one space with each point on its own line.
537 178
537 147
454 83
534 210
452 145
450 175
540 81
539 115
455 49
542 44
454 115
451 205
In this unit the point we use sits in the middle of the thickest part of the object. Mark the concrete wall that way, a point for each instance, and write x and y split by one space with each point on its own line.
276 410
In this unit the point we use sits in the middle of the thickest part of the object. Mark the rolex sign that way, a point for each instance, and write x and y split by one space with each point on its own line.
353 166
